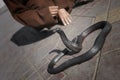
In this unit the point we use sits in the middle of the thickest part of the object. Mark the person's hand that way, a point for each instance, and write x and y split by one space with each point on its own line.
53 10
64 16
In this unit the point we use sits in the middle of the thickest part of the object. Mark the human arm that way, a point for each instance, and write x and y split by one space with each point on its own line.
64 16
65 7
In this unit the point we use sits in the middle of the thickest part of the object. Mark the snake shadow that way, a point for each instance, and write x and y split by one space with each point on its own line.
28 35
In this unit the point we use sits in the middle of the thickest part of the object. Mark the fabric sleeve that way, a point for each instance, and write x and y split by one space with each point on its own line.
32 17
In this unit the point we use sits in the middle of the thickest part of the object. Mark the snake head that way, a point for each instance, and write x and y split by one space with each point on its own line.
57 57
55 51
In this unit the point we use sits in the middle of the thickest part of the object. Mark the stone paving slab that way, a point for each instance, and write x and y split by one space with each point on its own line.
34 76
8 25
113 39
114 16
13 68
84 71
114 4
94 9
3 9
109 68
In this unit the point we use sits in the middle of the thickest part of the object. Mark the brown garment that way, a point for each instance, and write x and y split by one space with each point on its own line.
35 13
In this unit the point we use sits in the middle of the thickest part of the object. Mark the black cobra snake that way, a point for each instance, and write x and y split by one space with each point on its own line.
75 46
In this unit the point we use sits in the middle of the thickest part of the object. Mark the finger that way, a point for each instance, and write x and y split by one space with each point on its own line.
63 21
69 15
67 19
54 10
54 7
54 13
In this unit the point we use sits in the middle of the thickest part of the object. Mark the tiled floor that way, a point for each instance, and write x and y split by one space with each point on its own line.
30 62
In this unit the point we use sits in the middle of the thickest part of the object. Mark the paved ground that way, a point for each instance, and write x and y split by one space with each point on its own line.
30 62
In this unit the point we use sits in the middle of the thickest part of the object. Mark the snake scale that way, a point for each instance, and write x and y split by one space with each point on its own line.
75 46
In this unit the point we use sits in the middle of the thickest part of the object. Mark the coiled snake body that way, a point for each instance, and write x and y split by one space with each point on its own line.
75 46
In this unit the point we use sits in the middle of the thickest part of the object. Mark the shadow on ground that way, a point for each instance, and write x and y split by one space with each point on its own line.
28 35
